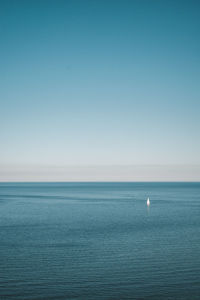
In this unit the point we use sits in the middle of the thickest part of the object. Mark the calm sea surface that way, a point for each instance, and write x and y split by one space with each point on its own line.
99 241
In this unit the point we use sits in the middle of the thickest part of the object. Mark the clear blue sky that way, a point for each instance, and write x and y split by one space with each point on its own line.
99 82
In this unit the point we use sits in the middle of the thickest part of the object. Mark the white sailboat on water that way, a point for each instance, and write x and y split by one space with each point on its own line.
148 202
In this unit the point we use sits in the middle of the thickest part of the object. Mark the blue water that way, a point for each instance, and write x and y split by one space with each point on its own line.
99 241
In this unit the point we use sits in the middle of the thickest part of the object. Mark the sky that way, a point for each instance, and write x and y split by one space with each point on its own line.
99 83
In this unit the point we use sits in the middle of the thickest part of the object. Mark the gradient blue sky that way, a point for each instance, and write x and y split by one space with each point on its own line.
99 82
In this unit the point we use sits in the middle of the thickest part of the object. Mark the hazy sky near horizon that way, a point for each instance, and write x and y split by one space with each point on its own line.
99 82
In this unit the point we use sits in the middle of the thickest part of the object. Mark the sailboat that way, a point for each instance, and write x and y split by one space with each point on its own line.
148 202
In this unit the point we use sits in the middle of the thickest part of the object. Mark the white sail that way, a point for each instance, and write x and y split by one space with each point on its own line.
148 202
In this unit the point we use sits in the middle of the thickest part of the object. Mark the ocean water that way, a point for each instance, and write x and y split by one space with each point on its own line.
99 241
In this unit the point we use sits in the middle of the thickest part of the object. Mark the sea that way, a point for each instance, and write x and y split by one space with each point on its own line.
99 241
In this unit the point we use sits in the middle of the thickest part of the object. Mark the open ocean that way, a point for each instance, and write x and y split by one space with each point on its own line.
99 241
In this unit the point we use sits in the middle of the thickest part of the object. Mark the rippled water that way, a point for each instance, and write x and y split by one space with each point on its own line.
99 241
